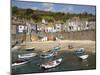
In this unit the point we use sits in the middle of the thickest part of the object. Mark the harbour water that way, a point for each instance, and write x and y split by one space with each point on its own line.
70 62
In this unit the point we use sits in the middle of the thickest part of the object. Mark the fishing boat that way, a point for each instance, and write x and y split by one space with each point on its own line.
51 53
48 55
16 48
51 64
19 62
30 49
29 55
83 57
57 48
80 50
54 49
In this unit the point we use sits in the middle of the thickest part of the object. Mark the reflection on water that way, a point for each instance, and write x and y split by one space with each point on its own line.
70 62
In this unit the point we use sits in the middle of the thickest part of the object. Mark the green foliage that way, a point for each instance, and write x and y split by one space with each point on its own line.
14 10
37 15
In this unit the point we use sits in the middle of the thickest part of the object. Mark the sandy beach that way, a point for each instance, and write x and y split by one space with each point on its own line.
44 46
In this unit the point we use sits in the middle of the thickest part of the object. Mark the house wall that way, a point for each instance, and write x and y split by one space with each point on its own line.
13 29
92 25
78 35
79 25
58 27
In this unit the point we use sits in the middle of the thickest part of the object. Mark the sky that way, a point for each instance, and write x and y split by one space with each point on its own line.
55 7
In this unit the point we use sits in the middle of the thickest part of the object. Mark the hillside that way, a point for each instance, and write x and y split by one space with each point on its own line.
38 15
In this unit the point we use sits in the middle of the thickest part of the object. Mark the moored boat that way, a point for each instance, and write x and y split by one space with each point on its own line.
16 48
29 55
57 48
30 49
51 64
48 55
80 50
19 62
83 57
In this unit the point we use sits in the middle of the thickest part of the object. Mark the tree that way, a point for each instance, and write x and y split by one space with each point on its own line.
15 10
28 14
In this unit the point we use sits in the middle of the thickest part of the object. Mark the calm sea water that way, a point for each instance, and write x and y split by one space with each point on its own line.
70 62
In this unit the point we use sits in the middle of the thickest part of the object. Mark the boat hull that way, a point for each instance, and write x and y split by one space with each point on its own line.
83 57
79 51
19 62
48 66
16 64
27 55
30 49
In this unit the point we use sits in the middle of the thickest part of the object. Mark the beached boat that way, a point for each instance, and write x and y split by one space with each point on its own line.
23 56
83 57
80 50
16 48
57 48
51 64
51 53
30 49
54 49
19 62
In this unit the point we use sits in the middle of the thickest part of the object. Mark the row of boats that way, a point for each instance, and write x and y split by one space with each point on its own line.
24 58
47 65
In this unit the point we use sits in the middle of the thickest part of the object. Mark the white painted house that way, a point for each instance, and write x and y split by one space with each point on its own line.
50 29
92 25
22 28
58 27
78 25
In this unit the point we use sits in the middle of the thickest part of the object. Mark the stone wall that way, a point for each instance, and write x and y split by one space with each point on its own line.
80 35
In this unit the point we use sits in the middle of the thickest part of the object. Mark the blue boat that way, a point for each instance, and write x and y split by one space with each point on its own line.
48 55
79 51
51 53
57 48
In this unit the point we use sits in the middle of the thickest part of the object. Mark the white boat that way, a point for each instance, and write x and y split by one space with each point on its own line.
83 57
30 49
27 55
51 64
16 48
57 48
48 55
19 62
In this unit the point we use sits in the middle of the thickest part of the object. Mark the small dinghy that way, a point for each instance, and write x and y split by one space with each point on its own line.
29 55
30 49
48 55
57 48
83 57
19 62
51 64
80 50
16 48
